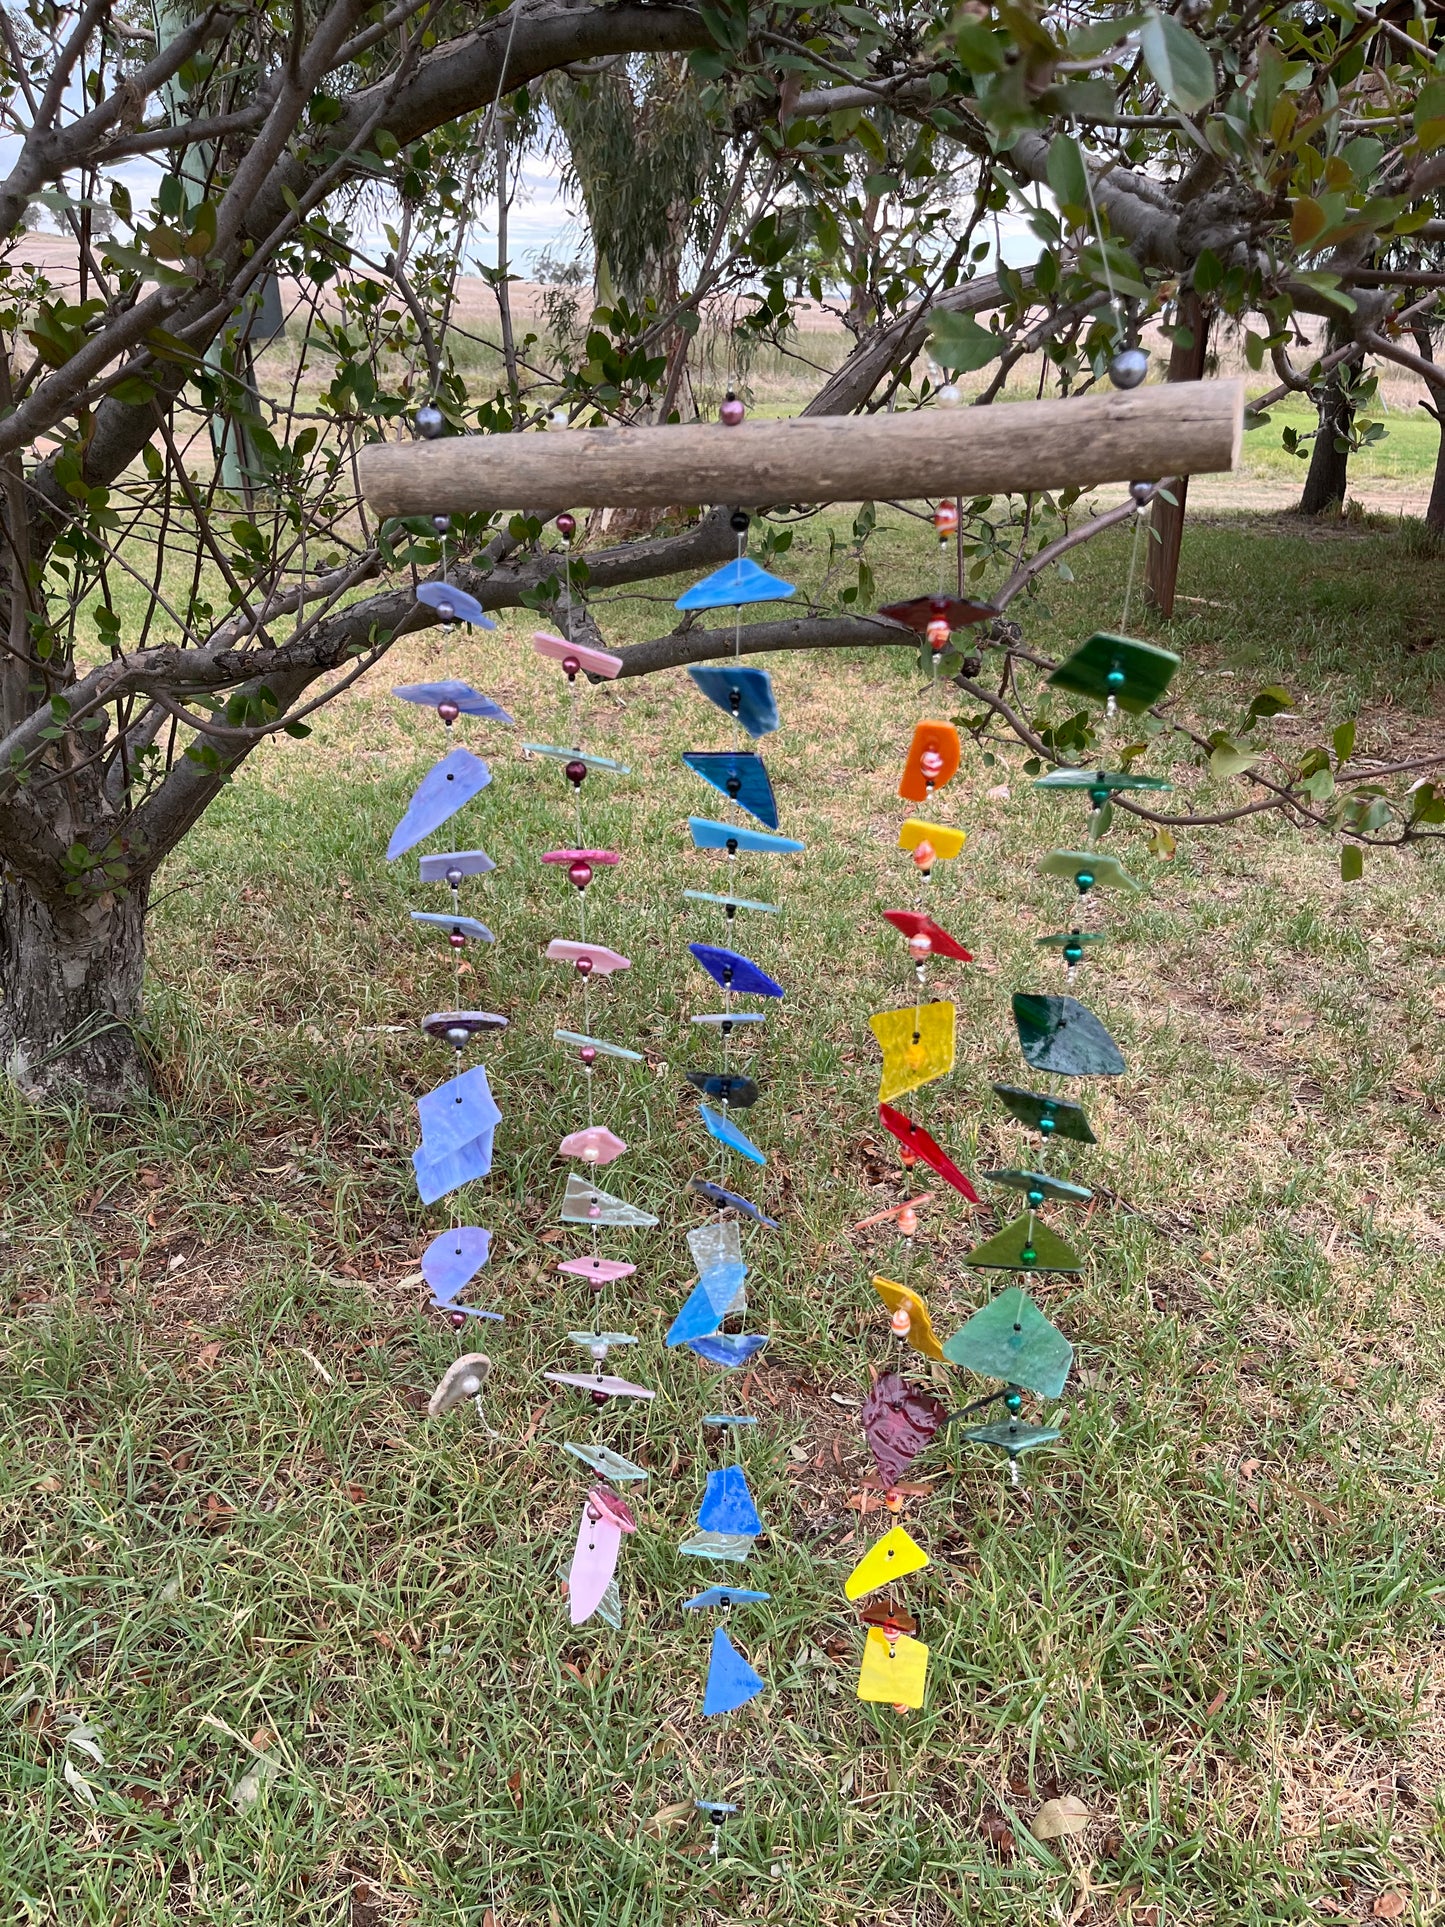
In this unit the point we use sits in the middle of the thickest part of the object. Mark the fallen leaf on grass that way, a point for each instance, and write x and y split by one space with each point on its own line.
78 1783
1216 1705
658 1823
514 1787
252 1783
208 1354
263 1738
356 1493
1388 1906
998 1833
1056 1819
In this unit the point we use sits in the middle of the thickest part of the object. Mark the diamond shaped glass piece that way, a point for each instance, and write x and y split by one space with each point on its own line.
603 1459
471 863
560 753
1141 672
597 1271
741 777
1008 1435
1059 1189
920 1333
1104 871
946 842
738 1093
728 1349
917 1045
893 1557
727 1505
455 605
746 694
729 1200
603 961
583 1203
731 1682
596 1145
919 611
893 1671
595 1382
726 1132
444 920
453 1259
707 835
715 1245
596 662
1009 1250
731 903
898 1421
732 585
1012 1340
914 1138
722 1596
930 739
1098 779
437 1174
733 1547
457 1111
471 702
579 1040
1034 1108
913 923
1061 1035
455 780
734 972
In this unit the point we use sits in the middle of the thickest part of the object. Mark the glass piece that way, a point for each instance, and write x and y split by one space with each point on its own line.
931 762
729 1017
450 1305
455 780
728 1349
1106 872
1008 1250
1058 1189
462 1379
1061 939
592 1382
1035 1108
609 1607
583 1203
447 1025
715 1245
899 1421
596 1145
913 923
726 1132
731 903
1008 1435
594 1561
596 662
581 1041
946 842
742 778
1012 1340
723 1285
1063 1036
454 605
1098 779
707 835
892 1558
714 1295
893 1671
887 1612
1134 674
600 1271
439 1173
729 1418
731 1682
957 612
738 1093
603 1459
914 1138
746 694
457 1111
727 1505
444 920
719 1596
559 753
920 1334
471 702
732 585
917 1046
609 1339
731 1546
729 1200
716 1809
602 960
599 859
471 863
453 1259
734 972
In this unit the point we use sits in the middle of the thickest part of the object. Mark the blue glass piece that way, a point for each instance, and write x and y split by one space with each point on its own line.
729 1200
455 780
716 1596
716 1808
453 1259
471 863
731 1682
458 1111
733 584
722 1348
444 920
698 1317
726 1132
559 753
740 775
727 1505
707 835
730 903
454 605
729 1418
437 1175
471 702
734 972
746 694
450 1305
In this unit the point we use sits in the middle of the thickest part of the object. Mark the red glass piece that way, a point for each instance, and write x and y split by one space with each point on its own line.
899 1420
914 1138
955 611
913 923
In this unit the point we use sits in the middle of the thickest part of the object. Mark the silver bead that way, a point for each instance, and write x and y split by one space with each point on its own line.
1128 368
430 421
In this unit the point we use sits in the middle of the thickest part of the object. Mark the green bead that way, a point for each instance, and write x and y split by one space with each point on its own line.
1116 679
1014 1401
1046 1127
1085 882
1100 796
1035 1197
1073 954
1028 1255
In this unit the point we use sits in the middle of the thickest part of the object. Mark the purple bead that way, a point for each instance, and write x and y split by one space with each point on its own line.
576 773
731 412
579 874
566 525
456 940
457 1320
448 713
588 1054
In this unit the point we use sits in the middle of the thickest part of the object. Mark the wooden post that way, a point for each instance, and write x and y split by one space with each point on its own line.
1166 535
1007 448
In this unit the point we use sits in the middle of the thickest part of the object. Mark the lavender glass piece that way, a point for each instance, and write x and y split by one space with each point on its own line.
718 1018
596 662
455 605
597 1271
438 1175
713 1245
579 1040
455 780
471 863
899 1421
715 1194
590 1382
734 972
471 702
727 1505
453 1259
444 920
458 1111
727 1349
726 1132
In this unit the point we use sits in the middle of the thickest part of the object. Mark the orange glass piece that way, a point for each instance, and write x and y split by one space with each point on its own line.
919 1332
917 1045
932 761
946 842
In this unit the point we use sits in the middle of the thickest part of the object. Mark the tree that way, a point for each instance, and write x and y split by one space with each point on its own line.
173 595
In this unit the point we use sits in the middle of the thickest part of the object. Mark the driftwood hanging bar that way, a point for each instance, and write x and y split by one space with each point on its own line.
1183 428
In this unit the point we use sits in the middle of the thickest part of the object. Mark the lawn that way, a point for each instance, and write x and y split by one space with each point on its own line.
317 1640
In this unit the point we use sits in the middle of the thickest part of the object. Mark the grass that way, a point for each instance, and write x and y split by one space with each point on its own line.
1214 1615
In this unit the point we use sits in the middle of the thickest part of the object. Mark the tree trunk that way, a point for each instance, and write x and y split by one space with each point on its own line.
70 995
1330 466
1161 573
1435 512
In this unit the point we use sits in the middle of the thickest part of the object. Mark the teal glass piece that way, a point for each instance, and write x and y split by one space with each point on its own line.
609 1606
707 835
1008 1435
1134 674
1098 779
741 776
726 1132
731 903
1060 1035
557 753
603 1459
1012 1340
1089 870
746 694
1049 1116
1059 1189
579 1040
1024 1245
1061 939
733 1547
729 1418
732 585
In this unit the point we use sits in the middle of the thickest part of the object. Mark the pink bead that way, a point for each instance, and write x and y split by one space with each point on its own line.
731 412
923 854
588 1054
584 966
570 666
930 762
448 713
456 940
566 525
579 873
594 1210
457 1320
938 633
920 947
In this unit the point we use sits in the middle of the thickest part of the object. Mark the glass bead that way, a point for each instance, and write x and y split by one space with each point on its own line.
945 518
931 763
570 666
1073 954
732 411
584 966
442 524
446 611
448 713
902 1321
588 1054
738 521
457 1320
456 940
579 873
430 422
1035 1197
575 772
566 525
1128 368
1084 882
453 879
923 854
937 633
908 1222
920 946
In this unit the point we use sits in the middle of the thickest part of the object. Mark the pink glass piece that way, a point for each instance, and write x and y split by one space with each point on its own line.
599 1540
595 1145
589 1382
602 960
597 662
602 1271
594 857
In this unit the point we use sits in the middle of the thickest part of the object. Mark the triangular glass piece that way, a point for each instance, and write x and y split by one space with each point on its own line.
438 1174
609 1607
913 923
1036 1108
603 1459
560 753
1008 1435
1019 1248
471 702
455 780
455 605
453 1259
920 610
728 1349
919 1329
1061 1035
1089 870
893 1557
596 662
1012 1340
734 1547
732 585
1135 674
746 694
738 1093
595 1145
741 776
726 1132
718 1596
932 761
1097 779
707 835
713 1245
709 1302
914 1138
893 1671
466 863
583 1203
457 1112
594 1560
729 1200
945 842
727 1505
602 960
917 1046
734 972
731 1682
581 1041
1059 1189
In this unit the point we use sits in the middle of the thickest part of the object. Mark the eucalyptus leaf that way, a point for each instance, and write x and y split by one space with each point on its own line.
1177 61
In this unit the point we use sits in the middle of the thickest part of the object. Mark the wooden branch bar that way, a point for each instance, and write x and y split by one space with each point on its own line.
1172 429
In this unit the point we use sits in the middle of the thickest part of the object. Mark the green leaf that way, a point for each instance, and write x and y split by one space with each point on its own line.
1273 700
1179 64
1352 863
1344 741
961 344
1065 169
1320 786
1227 760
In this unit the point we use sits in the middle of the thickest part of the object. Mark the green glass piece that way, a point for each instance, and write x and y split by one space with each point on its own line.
1135 674
1060 940
1005 1251
1059 1189
1061 1035
1098 779
1012 1340
609 1606
559 753
1061 1115
1011 1437
1107 871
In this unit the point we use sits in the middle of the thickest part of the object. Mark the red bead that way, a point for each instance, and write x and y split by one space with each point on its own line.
448 713
588 1054
566 525
600 1398
908 1159
923 854
456 940
731 412
576 772
945 518
938 633
579 873
584 966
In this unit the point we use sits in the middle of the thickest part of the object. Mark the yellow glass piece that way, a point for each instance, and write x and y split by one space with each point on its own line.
894 1557
920 1325
917 1046
946 842
895 1674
